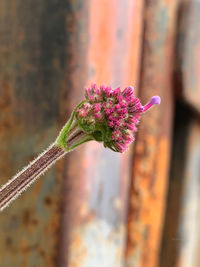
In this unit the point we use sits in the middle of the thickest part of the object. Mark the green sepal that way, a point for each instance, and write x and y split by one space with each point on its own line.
62 137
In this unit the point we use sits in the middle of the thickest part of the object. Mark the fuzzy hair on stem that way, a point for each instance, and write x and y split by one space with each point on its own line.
22 180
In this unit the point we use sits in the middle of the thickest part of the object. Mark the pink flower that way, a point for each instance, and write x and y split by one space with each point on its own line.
114 115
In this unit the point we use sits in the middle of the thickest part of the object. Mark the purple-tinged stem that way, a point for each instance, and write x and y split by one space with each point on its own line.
37 167
29 174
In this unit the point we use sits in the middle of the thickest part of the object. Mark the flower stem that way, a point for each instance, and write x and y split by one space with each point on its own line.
69 138
29 174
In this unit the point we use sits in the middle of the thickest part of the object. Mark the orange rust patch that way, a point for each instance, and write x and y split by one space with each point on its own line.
147 203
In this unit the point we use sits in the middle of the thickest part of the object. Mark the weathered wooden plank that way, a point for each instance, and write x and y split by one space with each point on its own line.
33 40
94 213
152 148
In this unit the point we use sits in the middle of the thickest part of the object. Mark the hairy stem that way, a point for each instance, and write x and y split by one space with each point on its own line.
71 136
29 174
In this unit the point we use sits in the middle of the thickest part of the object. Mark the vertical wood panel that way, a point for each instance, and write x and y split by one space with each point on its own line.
97 179
152 148
34 41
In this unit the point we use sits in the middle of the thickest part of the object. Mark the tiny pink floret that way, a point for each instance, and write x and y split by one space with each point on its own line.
155 100
97 107
82 113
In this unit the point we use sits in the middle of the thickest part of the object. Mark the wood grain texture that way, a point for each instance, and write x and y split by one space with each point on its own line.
152 148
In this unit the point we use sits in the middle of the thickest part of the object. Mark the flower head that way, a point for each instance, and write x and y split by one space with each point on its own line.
111 115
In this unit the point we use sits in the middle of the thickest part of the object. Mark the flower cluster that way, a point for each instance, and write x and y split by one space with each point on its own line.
111 115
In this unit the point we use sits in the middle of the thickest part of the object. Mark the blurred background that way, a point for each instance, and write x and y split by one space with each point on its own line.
97 208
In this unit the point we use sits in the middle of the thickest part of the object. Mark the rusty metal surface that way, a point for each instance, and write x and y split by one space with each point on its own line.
152 148
97 180
187 72
115 43
189 244
180 246
32 51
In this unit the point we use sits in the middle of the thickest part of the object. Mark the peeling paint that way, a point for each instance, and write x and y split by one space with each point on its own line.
97 244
